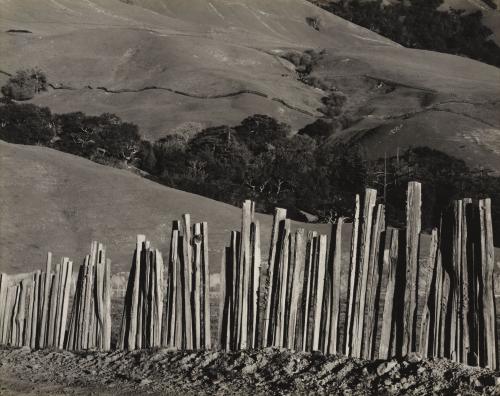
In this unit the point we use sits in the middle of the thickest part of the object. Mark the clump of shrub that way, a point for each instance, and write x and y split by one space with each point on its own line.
314 22
25 84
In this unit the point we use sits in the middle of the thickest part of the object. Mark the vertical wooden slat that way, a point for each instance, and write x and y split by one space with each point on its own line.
134 307
413 228
297 287
438 296
107 306
423 326
369 329
188 273
245 264
59 300
13 317
179 336
464 287
197 239
362 271
444 350
283 283
174 300
21 312
206 288
158 299
34 309
45 302
65 302
271 295
353 273
320 282
390 262
3 305
335 289
488 298
53 306
30 298
8 313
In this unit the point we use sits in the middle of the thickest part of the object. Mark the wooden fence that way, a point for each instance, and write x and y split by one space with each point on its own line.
368 291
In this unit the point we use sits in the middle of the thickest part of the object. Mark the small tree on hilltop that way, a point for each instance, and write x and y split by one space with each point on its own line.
25 84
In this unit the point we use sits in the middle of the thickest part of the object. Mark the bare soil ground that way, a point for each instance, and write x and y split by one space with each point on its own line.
267 371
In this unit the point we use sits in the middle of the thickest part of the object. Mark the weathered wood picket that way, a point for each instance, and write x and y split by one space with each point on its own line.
370 291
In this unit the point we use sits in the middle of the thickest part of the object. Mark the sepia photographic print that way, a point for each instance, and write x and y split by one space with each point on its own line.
250 197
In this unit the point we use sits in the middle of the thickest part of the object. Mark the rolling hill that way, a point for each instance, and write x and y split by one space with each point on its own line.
59 202
169 65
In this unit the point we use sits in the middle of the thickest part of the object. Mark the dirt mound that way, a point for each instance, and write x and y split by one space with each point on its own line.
268 371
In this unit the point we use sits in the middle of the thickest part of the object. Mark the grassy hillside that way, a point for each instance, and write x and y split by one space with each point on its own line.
52 200
169 65
59 202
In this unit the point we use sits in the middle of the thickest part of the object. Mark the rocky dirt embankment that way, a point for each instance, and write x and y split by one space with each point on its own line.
268 371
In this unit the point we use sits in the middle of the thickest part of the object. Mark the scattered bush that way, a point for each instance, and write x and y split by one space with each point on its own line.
314 22
25 84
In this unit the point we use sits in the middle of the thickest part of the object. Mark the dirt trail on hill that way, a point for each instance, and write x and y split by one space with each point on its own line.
268 371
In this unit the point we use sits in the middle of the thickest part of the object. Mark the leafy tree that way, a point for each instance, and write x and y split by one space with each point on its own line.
26 124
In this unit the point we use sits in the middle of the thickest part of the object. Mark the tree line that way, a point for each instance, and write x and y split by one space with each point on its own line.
314 178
